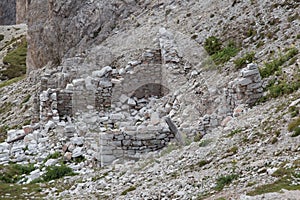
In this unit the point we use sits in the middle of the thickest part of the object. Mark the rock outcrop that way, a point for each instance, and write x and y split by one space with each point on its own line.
56 27
7 12
21 11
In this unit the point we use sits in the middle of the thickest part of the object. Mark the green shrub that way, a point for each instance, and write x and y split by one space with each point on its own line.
12 173
132 188
3 132
283 88
205 143
1 37
232 133
56 172
271 67
225 180
296 132
198 137
243 61
225 54
260 44
294 124
16 61
294 111
233 150
6 107
251 32
284 181
26 99
201 163
212 45
293 17
11 81
55 155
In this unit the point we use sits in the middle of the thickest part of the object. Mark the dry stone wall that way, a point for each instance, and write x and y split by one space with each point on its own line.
116 108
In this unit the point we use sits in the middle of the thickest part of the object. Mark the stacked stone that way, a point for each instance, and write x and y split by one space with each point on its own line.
139 78
168 47
103 95
64 103
208 122
48 105
246 89
130 144
152 56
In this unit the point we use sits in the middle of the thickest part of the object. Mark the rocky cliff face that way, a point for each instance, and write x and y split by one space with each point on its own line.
7 12
56 27
21 11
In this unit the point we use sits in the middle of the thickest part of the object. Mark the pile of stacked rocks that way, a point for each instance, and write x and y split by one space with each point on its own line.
247 88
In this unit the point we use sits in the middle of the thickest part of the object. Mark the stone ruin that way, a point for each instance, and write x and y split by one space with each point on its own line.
108 103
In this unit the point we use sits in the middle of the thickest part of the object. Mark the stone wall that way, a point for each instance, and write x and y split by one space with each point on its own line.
130 144
242 92
247 88
7 12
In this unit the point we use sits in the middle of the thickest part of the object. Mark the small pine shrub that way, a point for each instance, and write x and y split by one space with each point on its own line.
12 173
198 137
243 61
225 180
55 155
56 172
205 143
294 124
274 66
225 54
283 88
1 37
296 132
132 188
212 45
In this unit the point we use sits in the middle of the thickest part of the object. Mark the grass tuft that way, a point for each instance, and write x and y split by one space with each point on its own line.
15 61
225 180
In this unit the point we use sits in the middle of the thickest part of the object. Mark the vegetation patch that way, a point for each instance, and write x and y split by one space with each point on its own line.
225 54
232 133
6 107
1 37
17 191
282 88
271 67
15 61
222 181
132 188
55 172
201 163
295 127
294 111
243 61
13 173
171 147
220 53
285 177
198 137
11 81
212 45
233 150
205 143
3 132
26 99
